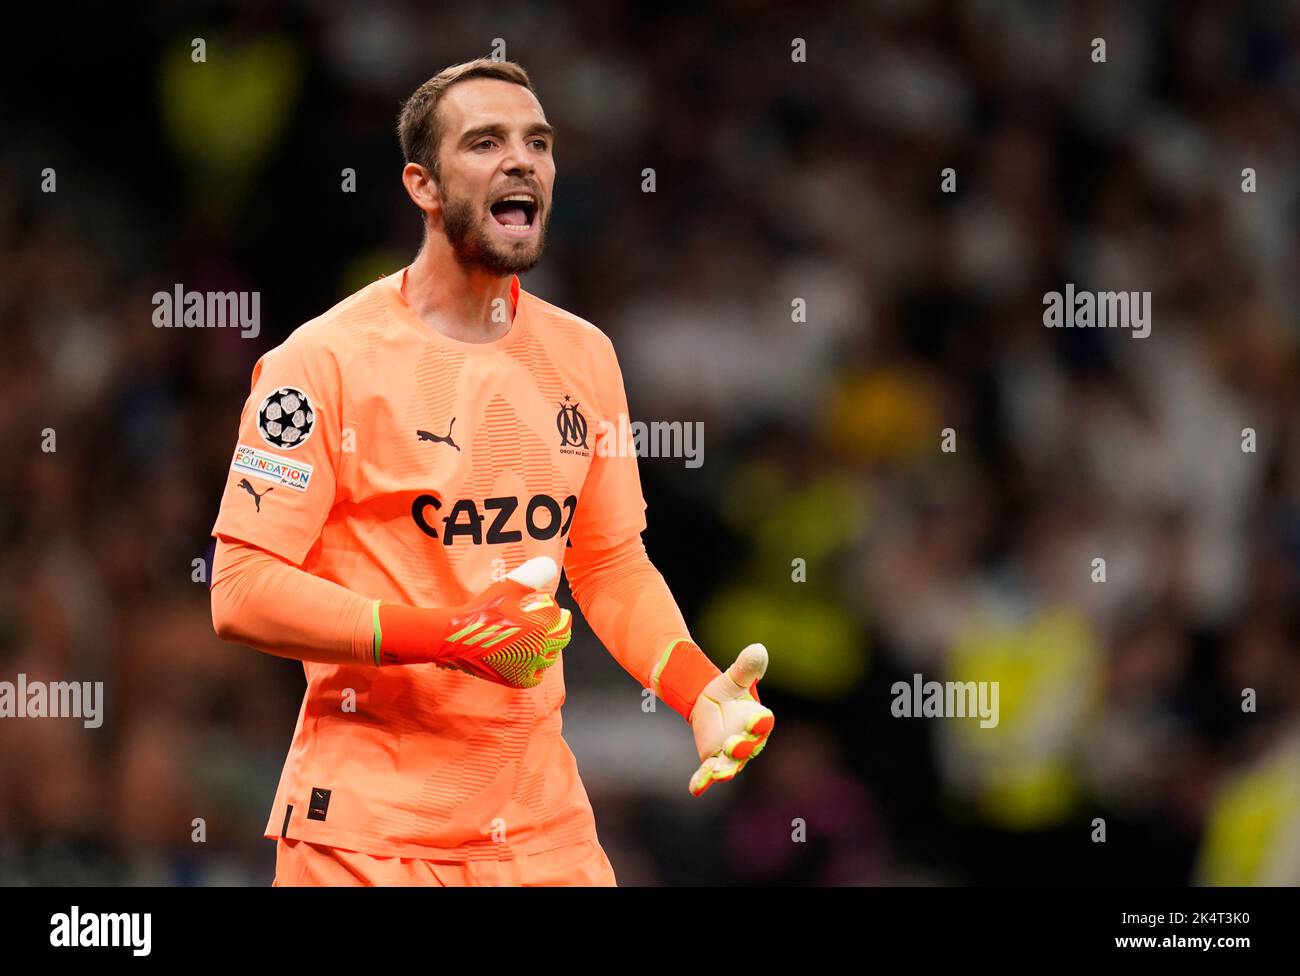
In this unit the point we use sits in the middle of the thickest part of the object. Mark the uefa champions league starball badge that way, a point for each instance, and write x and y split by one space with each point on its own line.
286 418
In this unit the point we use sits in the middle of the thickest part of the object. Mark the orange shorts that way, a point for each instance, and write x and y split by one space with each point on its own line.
300 864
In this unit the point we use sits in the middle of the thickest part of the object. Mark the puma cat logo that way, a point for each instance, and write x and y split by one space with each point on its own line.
424 435
257 499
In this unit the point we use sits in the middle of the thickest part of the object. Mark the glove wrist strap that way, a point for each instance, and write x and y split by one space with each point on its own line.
408 635
681 674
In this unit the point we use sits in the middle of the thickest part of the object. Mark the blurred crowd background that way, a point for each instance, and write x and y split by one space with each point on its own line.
1121 701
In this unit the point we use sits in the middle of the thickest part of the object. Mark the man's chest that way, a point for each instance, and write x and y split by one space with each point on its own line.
477 449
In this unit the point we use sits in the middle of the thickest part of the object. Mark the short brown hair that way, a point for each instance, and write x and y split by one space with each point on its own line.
417 124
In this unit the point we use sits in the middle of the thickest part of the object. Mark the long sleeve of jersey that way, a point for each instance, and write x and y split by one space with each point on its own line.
630 608
260 600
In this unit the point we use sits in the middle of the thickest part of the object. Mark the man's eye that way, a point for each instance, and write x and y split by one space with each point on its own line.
540 144
485 142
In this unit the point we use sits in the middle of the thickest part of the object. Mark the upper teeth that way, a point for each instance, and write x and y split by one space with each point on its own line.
521 197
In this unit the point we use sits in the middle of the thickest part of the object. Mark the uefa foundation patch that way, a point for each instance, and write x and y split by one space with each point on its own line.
269 467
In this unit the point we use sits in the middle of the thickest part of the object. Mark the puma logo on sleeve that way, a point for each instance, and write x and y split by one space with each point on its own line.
257 499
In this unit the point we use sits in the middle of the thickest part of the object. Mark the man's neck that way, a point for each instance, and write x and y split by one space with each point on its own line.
457 301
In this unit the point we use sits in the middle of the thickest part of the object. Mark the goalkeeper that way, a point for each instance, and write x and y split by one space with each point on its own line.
413 469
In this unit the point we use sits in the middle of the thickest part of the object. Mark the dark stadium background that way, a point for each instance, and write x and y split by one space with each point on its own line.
775 180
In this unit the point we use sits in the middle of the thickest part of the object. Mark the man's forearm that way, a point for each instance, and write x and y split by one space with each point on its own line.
260 600
630 608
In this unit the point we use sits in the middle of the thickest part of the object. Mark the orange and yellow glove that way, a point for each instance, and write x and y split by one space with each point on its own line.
510 633
731 726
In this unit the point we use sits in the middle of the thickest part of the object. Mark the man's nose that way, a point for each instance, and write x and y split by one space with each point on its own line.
517 159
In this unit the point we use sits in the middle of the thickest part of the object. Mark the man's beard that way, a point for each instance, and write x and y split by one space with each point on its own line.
474 248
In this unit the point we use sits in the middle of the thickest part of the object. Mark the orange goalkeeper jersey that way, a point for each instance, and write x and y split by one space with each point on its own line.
407 466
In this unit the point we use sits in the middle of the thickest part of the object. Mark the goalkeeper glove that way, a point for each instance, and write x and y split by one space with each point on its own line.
508 634
730 725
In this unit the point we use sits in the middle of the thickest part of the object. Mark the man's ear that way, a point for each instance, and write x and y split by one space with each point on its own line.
421 187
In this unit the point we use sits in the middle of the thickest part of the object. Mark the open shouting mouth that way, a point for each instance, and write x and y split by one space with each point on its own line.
515 213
